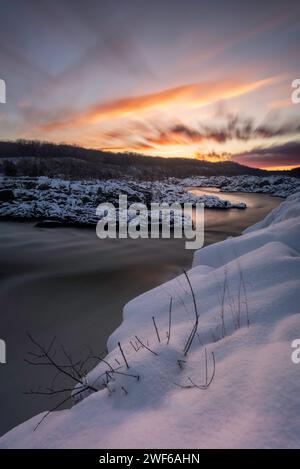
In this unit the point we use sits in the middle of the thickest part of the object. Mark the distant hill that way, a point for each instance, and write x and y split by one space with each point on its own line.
291 172
33 158
295 172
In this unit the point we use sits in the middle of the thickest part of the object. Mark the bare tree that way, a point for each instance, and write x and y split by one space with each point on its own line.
75 373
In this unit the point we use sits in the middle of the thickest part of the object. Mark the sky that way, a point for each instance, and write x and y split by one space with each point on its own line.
197 79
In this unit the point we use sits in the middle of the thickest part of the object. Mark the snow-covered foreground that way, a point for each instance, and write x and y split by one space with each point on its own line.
247 297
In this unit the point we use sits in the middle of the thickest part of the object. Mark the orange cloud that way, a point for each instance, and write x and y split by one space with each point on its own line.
194 95
122 107
229 89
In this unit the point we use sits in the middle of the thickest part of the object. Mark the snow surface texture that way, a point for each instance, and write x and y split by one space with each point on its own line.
75 202
253 400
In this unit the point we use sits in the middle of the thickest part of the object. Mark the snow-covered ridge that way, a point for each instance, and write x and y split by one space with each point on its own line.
247 296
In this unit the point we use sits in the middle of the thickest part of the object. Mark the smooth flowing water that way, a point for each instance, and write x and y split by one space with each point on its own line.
65 282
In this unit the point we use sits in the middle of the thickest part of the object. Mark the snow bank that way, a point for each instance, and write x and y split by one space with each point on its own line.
247 297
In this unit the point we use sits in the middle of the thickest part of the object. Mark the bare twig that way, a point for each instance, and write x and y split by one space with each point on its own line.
73 366
123 355
184 386
145 346
195 326
193 294
170 313
133 346
55 408
205 386
156 330
48 393
127 374
58 367
191 338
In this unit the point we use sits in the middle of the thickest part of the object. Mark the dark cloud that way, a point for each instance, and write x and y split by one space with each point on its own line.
287 154
144 134
189 133
241 128
233 128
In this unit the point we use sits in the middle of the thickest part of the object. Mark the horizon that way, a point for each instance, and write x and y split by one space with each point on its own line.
133 78
140 154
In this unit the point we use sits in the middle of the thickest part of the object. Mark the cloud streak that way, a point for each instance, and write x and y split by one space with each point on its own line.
189 95
147 135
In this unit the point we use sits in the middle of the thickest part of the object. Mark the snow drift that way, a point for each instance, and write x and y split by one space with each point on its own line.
247 297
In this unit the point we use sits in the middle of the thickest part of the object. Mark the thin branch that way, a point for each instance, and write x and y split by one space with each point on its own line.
145 346
133 346
195 326
214 369
190 338
193 294
126 374
156 330
123 355
184 386
58 367
205 386
170 315
69 358
55 408
47 393
104 361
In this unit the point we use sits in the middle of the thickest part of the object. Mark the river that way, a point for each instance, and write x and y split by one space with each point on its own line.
65 282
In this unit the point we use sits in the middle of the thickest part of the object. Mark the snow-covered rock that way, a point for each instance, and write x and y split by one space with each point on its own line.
247 297
279 186
75 202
